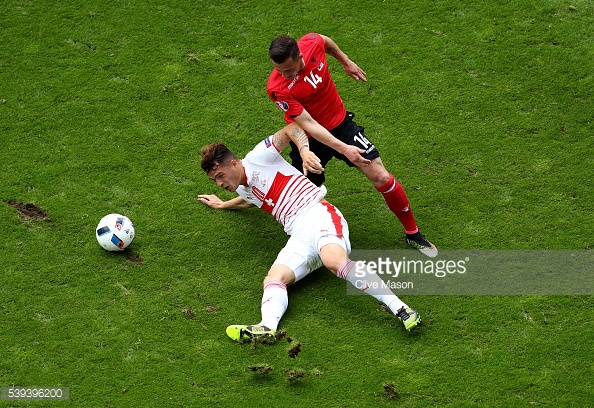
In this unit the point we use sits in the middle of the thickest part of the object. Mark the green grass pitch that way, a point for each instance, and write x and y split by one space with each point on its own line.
482 110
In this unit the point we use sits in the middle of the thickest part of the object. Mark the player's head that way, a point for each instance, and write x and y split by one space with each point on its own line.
283 47
221 165
286 57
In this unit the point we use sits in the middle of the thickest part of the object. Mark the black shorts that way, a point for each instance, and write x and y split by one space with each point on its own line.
348 132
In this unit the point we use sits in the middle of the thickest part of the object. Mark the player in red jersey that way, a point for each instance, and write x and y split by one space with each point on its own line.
301 86
318 232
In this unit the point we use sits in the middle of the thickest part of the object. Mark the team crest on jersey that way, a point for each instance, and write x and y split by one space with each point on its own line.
256 175
282 105
267 142
321 66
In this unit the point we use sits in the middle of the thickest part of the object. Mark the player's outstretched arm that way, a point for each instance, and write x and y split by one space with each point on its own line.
322 135
349 66
213 201
294 133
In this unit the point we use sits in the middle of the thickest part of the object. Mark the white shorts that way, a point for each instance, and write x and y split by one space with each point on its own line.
320 225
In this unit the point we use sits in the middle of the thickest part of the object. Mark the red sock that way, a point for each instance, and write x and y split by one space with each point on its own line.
398 203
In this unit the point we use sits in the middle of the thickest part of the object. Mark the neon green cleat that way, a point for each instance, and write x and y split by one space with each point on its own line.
243 333
409 317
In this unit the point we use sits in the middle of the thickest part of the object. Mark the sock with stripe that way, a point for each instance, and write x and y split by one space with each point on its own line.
372 285
275 301
398 203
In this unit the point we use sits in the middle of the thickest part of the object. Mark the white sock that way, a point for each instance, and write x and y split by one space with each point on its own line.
274 303
374 284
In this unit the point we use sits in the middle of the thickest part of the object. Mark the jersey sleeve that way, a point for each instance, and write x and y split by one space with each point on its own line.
264 154
283 99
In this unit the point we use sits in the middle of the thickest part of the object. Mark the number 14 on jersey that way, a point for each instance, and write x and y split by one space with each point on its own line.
313 79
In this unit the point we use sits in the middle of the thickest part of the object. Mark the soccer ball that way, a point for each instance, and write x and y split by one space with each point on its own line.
115 232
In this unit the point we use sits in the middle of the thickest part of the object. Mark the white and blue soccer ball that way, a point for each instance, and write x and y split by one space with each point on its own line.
115 232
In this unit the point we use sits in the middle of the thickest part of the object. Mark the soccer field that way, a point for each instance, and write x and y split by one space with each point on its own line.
482 110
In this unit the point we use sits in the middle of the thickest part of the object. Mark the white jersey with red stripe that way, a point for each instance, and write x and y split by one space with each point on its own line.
275 186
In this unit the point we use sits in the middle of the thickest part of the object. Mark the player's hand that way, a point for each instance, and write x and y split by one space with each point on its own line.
354 71
311 162
354 154
211 200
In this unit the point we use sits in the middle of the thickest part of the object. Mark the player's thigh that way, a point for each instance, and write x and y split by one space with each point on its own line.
330 226
376 172
353 134
300 257
333 256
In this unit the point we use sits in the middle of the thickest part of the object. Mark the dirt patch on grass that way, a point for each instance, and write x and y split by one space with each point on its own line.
29 211
262 369
390 390
135 258
294 375
281 334
294 350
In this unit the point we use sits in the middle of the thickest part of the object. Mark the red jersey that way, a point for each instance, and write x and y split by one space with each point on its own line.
312 89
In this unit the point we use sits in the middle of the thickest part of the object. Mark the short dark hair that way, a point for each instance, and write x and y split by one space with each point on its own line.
282 48
215 154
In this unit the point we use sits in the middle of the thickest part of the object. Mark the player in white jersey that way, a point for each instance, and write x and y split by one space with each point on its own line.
276 186
319 234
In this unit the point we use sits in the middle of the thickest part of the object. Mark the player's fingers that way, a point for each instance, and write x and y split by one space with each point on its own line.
359 75
363 159
314 162
312 169
364 162
207 199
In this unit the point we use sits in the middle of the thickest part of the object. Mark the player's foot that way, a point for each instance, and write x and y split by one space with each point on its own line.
243 333
409 317
419 242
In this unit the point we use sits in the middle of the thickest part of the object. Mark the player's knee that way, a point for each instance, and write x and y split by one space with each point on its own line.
280 273
382 175
333 256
